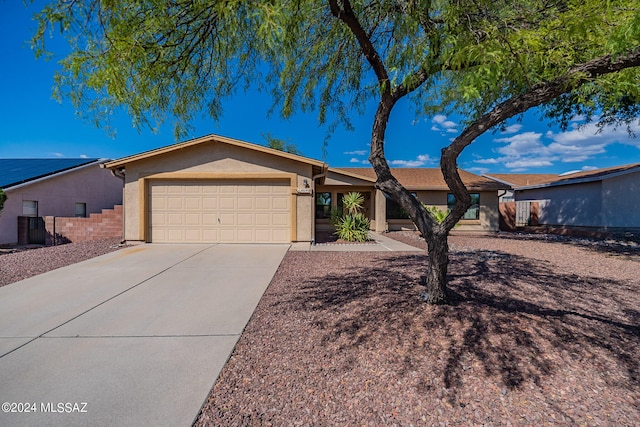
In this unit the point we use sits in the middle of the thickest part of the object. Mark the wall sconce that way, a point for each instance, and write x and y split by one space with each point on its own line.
306 183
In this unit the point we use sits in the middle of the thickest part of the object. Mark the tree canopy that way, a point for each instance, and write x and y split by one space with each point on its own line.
487 60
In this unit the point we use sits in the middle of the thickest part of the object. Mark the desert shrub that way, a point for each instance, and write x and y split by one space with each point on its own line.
351 224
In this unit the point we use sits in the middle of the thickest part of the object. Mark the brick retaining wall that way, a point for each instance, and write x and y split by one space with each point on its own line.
105 225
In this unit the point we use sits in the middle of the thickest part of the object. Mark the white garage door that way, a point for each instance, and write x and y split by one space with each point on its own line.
220 211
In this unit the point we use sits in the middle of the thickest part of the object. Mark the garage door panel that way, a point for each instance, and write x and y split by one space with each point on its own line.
227 219
175 219
245 235
209 203
262 203
263 219
280 203
192 203
244 219
220 211
279 235
192 219
209 219
175 235
210 235
245 203
280 219
227 203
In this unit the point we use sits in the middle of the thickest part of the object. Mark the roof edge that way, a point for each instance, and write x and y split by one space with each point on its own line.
581 180
351 174
208 138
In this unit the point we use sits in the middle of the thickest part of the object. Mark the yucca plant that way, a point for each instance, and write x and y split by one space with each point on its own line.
438 214
351 224
353 228
353 202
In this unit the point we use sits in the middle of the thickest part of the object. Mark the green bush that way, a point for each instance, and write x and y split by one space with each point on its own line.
351 225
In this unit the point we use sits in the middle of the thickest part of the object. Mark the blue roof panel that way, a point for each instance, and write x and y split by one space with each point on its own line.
19 171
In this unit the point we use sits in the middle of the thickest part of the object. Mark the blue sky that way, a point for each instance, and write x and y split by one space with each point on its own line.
32 124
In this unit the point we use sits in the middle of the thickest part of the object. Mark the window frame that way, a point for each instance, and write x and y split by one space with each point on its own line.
323 210
469 214
83 214
34 208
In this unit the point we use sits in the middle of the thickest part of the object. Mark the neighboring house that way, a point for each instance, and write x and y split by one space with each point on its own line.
54 187
518 180
217 189
600 200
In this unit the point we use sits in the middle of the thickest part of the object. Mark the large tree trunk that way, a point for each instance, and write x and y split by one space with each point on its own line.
436 278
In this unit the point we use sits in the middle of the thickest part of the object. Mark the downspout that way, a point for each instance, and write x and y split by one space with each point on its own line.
323 173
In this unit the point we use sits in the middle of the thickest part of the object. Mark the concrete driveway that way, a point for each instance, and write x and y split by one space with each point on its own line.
132 338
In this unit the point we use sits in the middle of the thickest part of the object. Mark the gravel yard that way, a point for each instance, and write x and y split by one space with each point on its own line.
544 331
20 264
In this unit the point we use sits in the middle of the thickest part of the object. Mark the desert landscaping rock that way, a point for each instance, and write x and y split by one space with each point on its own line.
20 264
542 332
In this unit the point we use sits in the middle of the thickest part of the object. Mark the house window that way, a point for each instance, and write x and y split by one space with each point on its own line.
81 210
323 205
30 208
474 210
394 210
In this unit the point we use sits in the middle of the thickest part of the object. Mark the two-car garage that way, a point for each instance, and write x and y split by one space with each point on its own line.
215 189
219 211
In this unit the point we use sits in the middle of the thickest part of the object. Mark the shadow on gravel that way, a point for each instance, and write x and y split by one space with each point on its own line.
512 320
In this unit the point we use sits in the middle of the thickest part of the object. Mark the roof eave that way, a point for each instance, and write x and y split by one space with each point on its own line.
119 163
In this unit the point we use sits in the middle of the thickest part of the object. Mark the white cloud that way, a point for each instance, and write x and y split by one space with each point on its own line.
57 154
533 149
491 161
354 160
512 129
527 163
439 118
421 160
356 153
441 124
83 156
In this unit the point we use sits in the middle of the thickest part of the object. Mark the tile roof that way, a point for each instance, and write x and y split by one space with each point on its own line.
520 179
20 171
430 178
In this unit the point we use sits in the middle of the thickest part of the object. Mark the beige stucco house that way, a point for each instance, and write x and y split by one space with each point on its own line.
218 189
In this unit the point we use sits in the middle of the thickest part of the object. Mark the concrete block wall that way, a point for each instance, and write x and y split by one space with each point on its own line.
105 225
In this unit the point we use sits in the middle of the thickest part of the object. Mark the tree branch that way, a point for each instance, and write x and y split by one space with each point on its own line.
347 16
538 95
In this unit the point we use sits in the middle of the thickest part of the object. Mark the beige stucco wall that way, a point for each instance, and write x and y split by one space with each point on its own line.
487 223
57 196
211 161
